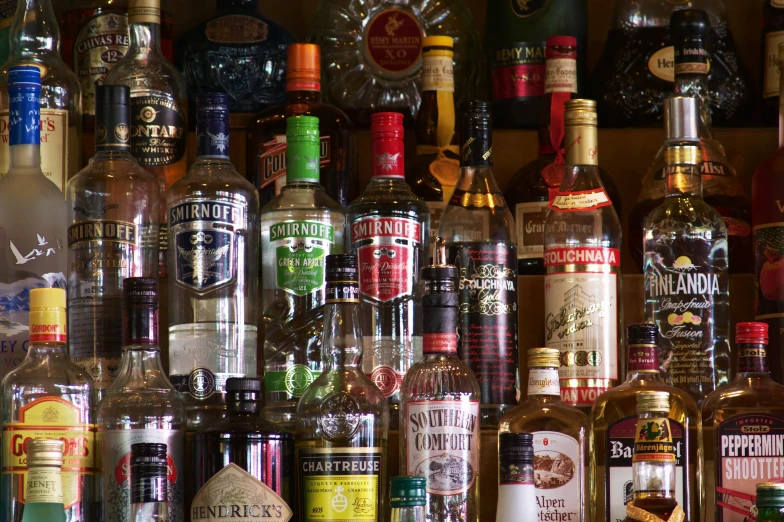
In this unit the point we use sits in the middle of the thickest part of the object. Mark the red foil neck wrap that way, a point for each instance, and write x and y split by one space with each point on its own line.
751 339
558 48
386 150
443 343
643 358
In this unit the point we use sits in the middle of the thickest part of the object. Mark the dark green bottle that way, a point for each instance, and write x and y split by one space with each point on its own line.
770 502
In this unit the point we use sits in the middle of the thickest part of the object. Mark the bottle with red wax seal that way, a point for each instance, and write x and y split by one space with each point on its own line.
738 422
389 230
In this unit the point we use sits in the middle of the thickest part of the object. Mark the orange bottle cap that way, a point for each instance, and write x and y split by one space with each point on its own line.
303 62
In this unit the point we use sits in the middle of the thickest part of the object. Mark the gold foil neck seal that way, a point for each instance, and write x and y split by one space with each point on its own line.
45 452
771 486
580 112
648 401
544 358
144 12
683 155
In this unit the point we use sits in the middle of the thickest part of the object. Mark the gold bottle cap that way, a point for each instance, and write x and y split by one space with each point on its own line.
544 358
437 41
777 486
45 452
580 112
648 401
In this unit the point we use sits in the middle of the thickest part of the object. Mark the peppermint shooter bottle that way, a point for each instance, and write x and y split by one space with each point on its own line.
213 215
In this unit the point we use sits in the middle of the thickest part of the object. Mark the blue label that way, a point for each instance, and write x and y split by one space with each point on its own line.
24 116
213 137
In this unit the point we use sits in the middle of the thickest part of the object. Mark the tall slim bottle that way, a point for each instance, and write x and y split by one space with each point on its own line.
112 234
33 220
480 239
582 258
686 276
44 498
213 271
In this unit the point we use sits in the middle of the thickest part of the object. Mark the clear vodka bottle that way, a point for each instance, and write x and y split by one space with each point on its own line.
149 471
213 270
299 228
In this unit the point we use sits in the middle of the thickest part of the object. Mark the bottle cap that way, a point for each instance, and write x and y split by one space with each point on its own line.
519 446
303 62
46 299
243 384
386 125
476 113
580 112
342 268
544 358
751 333
689 24
681 119
407 491
770 494
112 95
48 315
437 41
642 334
302 128
148 453
140 291
561 41
45 452
658 401
213 102
24 76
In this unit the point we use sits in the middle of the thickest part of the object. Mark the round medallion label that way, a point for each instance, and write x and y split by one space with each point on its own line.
385 378
394 41
298 378
201 383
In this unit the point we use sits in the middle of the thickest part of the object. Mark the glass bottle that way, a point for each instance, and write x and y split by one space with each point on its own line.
388 229
254 456
516 485
48 397
35 41
721 187
299 228
686 279
407 499
149 462
266 139
44 492
772 37
748 411
478 228
770 502
112 234
139 406
582 287
432 173
7 8
516 35
439 388
613 421
33 221
213 271
560 440
158 106
342 418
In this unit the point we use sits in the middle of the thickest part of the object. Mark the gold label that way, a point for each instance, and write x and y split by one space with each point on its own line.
653 441
144 12
438 74
44 485
582 145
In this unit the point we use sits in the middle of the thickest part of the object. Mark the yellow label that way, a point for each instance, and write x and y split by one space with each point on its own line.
44 485
51 418
653 441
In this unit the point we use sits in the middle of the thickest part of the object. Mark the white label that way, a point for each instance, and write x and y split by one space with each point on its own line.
558 474
516 503
561 75
530 218
662 64
438 74
580 200
44 485
771 74
543 381
442 444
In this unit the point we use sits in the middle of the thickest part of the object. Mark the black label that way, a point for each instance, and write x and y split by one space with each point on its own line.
476 147
157 130
487 316
112 130
342 292
526 8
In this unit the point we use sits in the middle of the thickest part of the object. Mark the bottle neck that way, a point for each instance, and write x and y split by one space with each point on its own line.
342 336
439 318
145 38
560 86
35 30
150 512
141 369
752 360
691 74
387 156
294 97
435 126
243 4
243 403
302 161
113 128
476 146
408 514
682 172
643 362
582 145
544 383
653 464
212 137
25 128
44 486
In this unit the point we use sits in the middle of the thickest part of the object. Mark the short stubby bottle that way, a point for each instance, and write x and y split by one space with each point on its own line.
388 228
44 492
213 271
516 484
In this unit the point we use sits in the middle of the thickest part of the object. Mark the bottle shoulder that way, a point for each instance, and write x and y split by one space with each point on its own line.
245 424
748 395
272 121
148 74
117 168
440 378
35 371
383 197
552 415
303 197
205 178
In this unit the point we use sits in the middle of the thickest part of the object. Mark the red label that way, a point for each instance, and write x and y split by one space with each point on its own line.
385 248
386 379
445 343
643 357
581 395
582 256
518 81
387 158
48 332
394 40
123 470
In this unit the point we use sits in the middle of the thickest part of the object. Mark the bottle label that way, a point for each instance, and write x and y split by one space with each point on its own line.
561 75
530 218
769 273
213 139
393 39
682 300
301 249
543 381
752 358
51 418
663 63
445 343
770 82
236 30
293 381
389 250
102 41
442 444
643 358
692 59
487 317
386 379
339 484
580 200
250 499
204 234
559 466
44 485
201 383
518 71
749 450
48 326
526 8
116 450
158 133
144 12
272 161
618 465
653 441
438 74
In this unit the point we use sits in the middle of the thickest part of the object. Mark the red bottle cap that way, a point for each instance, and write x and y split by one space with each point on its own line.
386 128
386 125
561 41
751 333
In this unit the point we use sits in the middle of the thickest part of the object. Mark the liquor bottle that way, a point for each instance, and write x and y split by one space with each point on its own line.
252 455
685 271
266 139
44 494
113 234
382 69
752 404
767 190
479 231
560 440
582 241
34 40
530 189
613 421
635 73
149 462
158 105
388 228
772 37
653 465
770 502
516 34
48 397
342 418
438 390
299 228
7 8
721 186
433 171
516 485
33 218
237 51
407 499
213 270
139 406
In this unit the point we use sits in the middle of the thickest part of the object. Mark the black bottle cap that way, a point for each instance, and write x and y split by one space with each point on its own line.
476 113
140 291
517 446
342 268
643 333
243 384
111 95
148 453
689 23
439 273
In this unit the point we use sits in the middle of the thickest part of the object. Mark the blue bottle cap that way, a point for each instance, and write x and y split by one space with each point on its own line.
24 76
213 102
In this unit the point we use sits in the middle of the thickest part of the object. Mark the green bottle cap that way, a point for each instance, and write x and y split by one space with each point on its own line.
407 491
302 150
770 494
